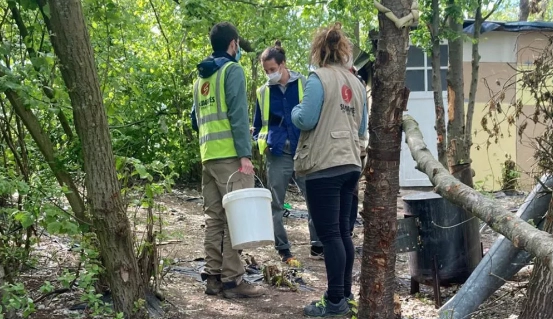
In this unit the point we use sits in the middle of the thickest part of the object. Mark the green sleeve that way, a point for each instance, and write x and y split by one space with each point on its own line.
237 104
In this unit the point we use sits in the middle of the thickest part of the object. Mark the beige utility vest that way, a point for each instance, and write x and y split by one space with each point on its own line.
335 139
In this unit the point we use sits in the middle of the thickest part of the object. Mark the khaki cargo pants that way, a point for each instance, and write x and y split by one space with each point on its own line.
221 259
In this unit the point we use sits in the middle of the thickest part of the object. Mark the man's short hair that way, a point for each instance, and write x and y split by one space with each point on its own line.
221 35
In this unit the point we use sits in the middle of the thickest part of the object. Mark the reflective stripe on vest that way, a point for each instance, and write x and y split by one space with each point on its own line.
264 101
211 114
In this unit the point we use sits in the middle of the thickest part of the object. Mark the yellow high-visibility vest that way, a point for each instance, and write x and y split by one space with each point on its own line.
215 133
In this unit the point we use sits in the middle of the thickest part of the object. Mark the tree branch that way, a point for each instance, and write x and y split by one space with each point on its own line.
23 32
46 147
4 18
281 6
167 43
51 293
441 133
9 141
524 10
495 7
521 234
475 64
546 189
152 117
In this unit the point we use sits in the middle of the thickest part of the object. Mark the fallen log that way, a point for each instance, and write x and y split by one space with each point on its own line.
501 262
523 235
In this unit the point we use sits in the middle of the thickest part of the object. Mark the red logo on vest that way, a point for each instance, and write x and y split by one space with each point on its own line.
346 93
205 89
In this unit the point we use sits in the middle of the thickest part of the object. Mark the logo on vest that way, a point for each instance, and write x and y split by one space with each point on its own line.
347 94
205 89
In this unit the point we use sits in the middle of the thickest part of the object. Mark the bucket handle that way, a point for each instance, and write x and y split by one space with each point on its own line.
239 170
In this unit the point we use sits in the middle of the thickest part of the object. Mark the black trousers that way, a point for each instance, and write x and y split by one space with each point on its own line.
329 201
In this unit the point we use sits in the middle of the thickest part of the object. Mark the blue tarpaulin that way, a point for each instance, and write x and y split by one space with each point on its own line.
517 26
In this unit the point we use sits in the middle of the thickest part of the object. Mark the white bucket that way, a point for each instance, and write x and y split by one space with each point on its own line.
249 218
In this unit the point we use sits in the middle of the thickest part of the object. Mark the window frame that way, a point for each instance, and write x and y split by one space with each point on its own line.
425 68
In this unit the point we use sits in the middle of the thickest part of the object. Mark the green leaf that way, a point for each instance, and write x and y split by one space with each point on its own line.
135 90
120 162
149 192
5 83
54 227
25 218
70 227
46 287
141 169
23 188
46 10
5 48
28 4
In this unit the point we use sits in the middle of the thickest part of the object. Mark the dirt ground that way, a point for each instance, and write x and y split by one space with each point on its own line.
182 247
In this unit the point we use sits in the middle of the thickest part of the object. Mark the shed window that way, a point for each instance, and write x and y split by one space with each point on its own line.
419 69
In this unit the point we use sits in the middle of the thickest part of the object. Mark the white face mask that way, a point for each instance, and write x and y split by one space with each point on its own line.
274 77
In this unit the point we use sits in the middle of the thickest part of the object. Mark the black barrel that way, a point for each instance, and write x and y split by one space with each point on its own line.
448 235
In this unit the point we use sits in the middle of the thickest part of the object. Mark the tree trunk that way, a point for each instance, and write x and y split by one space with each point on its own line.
540 288
437 83
382 170
520 233
475 64
458 149
524 10
257 158
356 36
71 43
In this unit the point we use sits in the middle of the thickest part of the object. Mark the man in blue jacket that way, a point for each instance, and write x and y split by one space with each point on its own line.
277 139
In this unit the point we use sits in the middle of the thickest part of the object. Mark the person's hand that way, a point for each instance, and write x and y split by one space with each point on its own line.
246 166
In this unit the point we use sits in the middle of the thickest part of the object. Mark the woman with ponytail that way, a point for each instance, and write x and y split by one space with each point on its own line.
332 118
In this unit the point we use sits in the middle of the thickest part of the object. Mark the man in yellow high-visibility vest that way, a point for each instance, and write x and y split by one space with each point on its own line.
220 115
277 139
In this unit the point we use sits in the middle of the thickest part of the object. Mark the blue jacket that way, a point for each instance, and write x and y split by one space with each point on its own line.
281 127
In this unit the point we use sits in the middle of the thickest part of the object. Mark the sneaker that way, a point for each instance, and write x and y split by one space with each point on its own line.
244 290
325 308
285 255
352 304
214 286
350 300
317 253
